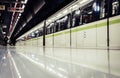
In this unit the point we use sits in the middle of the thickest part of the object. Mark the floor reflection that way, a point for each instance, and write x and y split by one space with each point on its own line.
36 62
6 68
73 63
3 56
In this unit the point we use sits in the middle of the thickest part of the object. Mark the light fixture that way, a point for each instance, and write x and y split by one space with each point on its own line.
83 1
73 7
49 20
65 12
59 15
53 18
20 14
77 12
18 17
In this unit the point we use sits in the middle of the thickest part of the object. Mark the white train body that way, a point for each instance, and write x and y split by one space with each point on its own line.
92 35
95 34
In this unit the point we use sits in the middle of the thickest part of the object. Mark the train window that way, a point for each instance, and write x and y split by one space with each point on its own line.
51 28
73 22
56 27
93 11
47 31
68 21
63 23
115 7
76 18
88 15
102 9
40 32
29 36
36 33
33 35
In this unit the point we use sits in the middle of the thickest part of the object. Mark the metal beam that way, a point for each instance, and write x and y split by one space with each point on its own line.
44 33
18 2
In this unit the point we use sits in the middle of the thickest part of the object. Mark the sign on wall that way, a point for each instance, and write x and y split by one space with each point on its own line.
12 9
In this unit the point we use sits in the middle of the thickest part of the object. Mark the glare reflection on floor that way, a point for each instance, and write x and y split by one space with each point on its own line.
65 62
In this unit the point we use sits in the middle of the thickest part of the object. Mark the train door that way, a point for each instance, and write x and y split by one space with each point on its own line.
82 35
86 37
49 35
102 25
75 17
57 40
64 26
114 24
40 37
61 32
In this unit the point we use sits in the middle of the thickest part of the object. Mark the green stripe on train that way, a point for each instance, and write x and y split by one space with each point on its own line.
48 35
90 27
115 21
85 28
62 32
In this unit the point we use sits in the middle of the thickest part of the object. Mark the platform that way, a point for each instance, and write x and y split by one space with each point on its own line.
35 62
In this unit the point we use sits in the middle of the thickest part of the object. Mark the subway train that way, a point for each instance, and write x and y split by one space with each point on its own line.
80 24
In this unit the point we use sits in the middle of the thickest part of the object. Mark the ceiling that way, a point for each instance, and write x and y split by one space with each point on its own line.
19 16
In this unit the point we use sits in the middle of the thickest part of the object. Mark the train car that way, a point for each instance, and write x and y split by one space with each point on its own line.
95 24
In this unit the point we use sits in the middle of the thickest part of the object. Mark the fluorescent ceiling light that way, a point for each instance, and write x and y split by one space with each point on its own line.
53 19
65 11
59 15
49 20
77 12
18 17
73 7
83 1
20 14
